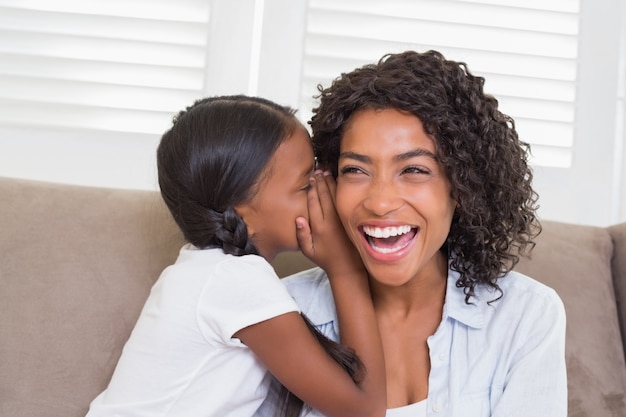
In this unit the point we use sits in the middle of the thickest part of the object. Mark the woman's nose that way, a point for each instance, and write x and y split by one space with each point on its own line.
381 199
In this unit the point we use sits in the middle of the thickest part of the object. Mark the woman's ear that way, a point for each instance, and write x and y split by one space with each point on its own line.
455 198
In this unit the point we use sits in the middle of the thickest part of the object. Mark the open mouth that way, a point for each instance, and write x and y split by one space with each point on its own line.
389 239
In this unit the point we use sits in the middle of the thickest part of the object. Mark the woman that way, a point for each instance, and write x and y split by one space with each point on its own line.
434 190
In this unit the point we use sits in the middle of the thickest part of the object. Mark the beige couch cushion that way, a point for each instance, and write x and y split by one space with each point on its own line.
67 304
576 262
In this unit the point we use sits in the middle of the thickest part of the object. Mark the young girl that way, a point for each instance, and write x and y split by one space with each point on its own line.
237 174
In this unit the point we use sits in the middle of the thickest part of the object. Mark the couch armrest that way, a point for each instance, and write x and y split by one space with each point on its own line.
576 261
618 266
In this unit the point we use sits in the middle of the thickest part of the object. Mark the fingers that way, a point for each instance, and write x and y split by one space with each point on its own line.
304 236
313 201
320 205
325 190
331 183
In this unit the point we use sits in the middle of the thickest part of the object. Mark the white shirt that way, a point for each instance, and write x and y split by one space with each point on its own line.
181 359
500 359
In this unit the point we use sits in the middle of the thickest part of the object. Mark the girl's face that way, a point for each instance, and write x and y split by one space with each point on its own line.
393 196
281 196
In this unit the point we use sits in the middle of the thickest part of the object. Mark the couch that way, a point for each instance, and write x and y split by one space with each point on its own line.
77 263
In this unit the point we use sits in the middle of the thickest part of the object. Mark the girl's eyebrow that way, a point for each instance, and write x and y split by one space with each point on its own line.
401 157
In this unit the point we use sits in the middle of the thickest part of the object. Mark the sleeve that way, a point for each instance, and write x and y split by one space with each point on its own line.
242 291
536 384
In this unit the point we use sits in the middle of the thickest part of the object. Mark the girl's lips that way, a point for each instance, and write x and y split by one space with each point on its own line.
390 242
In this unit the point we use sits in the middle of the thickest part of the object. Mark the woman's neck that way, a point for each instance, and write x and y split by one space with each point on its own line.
407 316
426 290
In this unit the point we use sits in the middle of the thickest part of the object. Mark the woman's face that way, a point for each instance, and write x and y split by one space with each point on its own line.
393 196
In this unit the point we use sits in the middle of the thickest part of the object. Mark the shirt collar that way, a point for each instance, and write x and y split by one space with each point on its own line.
473 314
320 308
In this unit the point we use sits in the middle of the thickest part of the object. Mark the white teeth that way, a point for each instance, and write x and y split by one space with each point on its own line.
390 250
385 232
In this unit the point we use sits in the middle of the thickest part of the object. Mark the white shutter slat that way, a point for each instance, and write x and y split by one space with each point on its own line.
565 6
98 49
52 68
93 94
537 109
55 115
179 10
507 63
516 15
551 156
546 133
530 87
99 26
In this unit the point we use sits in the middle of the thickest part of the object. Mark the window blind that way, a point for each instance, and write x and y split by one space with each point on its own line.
526 49
110 65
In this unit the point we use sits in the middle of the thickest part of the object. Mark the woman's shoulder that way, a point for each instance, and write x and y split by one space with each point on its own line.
521 293
309 279
517 285
312 292
513 285
520 299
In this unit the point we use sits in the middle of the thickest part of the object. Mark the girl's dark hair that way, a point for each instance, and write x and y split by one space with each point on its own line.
211 160
485 161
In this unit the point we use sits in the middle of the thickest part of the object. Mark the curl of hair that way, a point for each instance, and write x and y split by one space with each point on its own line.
478 146
228 231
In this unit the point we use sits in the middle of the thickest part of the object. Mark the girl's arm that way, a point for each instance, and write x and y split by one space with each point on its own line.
290 351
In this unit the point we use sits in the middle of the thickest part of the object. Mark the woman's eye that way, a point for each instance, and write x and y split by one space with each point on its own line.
349 170
415 170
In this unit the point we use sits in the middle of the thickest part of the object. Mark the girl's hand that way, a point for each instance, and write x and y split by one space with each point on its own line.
323 239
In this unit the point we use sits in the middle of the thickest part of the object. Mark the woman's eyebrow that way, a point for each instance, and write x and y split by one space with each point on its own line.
401 157
414 154
355 156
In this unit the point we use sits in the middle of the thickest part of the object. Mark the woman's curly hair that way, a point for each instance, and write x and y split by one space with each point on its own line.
478 146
